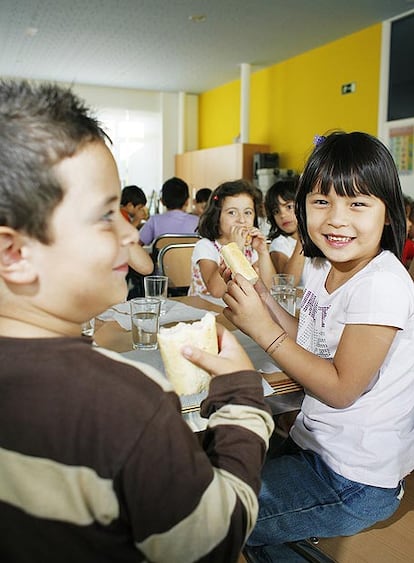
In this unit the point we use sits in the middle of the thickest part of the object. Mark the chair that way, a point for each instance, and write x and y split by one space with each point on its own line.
171 238
305 550
174 261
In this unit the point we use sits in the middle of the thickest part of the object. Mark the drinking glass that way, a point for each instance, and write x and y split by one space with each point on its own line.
145 320
285 295
284 292
157 286
283 279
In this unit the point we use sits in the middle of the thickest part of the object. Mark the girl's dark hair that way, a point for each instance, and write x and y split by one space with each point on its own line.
353 163
209 225
284 189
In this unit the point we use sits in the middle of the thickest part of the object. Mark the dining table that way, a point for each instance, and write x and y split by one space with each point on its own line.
113 331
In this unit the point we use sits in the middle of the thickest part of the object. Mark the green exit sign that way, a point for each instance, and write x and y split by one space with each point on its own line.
348 88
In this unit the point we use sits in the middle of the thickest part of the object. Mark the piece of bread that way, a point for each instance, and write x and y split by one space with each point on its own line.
237 262
186 378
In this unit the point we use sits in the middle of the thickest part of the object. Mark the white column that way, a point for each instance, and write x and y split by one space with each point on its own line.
244 102
181 123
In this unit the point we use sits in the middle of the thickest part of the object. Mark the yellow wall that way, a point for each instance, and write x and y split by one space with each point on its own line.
292 101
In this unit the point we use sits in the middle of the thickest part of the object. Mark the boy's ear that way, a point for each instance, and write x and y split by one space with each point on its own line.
15 265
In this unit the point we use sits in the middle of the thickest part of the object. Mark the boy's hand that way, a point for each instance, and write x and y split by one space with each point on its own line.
231 355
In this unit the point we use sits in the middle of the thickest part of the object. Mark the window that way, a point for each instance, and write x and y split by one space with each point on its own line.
137 148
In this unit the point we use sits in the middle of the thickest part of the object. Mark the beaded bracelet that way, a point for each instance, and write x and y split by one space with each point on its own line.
278 341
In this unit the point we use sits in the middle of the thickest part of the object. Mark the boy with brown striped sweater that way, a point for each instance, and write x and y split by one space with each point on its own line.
96 462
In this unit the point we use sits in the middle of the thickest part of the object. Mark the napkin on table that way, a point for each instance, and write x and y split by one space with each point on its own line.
175 312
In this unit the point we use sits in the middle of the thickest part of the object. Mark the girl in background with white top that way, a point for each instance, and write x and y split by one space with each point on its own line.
230 216
285 247
352 444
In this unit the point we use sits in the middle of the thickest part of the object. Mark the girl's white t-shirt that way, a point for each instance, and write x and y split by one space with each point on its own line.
371 441
286 245
206 249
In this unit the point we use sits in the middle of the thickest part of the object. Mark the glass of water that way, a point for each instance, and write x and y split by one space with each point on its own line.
145 320
284 292
283 279
285 295
157 286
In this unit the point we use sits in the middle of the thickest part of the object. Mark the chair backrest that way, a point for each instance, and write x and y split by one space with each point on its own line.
174 261
171 238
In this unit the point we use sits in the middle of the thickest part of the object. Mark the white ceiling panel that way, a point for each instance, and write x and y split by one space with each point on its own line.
153 45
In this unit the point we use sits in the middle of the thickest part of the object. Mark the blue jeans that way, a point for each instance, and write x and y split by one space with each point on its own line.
302 497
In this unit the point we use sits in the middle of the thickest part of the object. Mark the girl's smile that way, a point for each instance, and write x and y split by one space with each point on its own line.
345 228
338 241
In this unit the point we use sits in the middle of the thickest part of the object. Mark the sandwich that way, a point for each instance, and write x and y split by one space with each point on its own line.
186 378
238 263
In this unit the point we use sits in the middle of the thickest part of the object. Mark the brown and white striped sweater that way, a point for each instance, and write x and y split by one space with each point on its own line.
98 465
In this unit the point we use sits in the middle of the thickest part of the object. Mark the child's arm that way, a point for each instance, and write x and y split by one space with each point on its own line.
338 383
293 265
139 259
264 264
211 276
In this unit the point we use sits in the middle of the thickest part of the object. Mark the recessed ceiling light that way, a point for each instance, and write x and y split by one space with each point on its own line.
197 18
31 31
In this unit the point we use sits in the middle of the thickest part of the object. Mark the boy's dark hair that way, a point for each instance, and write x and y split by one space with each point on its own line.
174 193
202 195
209 224
354 163
284 189
133 194
39 126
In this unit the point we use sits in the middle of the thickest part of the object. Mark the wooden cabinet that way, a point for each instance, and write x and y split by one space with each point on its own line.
207 168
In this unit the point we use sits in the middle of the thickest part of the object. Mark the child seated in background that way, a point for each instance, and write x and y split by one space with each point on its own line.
97 462
200 201
174 196
231 216
133 202
140 264
285 247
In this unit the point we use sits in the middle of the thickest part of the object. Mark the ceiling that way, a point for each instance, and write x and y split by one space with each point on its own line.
153 45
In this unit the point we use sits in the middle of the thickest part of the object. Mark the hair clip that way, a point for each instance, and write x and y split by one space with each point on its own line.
318 140
215 197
